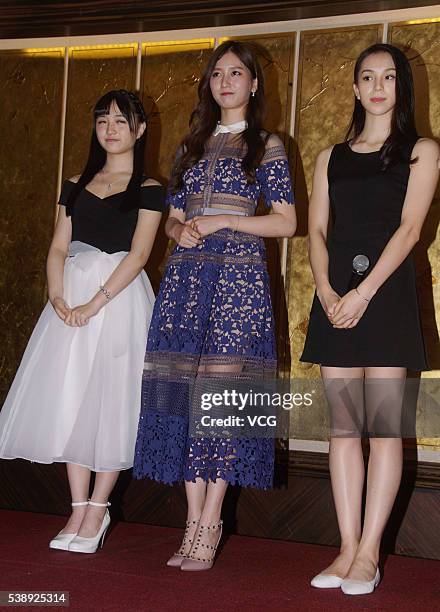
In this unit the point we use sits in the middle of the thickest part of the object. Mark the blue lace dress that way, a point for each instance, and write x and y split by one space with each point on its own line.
213 310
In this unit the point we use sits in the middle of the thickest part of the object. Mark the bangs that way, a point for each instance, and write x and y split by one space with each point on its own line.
244 52
124 104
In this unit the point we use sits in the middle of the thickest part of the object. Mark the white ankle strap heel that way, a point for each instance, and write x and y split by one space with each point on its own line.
90 545
62 540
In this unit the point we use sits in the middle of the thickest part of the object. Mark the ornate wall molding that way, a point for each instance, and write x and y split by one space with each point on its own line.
33 19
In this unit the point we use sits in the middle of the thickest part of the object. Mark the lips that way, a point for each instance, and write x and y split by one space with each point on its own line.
227 93
377 100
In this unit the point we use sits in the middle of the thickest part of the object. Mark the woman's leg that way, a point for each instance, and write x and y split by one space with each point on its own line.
79 482
210 504
104 483
344 391
195 497
384 389
214 500
212 509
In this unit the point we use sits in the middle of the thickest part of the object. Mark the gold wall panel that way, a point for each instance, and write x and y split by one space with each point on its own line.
277 63
32 84
92 72
324 107
420 42
170 77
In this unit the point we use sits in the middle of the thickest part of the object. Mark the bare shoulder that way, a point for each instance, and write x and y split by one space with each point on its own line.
150 182
323 156
273 140
75 179
426 148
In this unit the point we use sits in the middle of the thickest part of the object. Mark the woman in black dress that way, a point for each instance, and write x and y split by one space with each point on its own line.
365 331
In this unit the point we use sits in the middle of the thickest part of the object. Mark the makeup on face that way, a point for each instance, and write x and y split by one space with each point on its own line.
376 82
113 130
231 81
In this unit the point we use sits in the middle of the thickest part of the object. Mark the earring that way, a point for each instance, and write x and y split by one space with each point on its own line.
253 94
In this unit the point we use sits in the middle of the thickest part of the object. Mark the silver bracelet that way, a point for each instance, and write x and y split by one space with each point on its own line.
364 298
106 292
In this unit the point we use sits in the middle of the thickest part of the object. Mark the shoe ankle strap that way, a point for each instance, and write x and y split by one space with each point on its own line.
83 503
212 526
99 504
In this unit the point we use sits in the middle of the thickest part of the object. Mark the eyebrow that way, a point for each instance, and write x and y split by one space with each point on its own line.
231 67
372 69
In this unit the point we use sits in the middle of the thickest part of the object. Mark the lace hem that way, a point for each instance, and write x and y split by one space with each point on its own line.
166 454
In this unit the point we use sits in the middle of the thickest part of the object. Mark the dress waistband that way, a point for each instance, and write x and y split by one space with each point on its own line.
219 204
77 246
215 211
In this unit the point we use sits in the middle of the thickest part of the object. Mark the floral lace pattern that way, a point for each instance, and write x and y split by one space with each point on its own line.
213 314
168 455
219 173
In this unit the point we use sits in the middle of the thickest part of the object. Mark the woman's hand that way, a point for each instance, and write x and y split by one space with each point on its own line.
185 235
209 224
80 315
60 307
329 299
348 310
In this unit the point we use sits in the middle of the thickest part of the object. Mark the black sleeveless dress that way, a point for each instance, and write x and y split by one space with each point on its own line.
366 205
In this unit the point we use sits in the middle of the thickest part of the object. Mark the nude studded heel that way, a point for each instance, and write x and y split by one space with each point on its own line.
202 555
180 555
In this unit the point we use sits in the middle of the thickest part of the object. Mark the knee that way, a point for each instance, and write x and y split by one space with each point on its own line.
383 445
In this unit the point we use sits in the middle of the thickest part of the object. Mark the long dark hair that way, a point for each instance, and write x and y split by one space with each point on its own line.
131 107
403 132
207 113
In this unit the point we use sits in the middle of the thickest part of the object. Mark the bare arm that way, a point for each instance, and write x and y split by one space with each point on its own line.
181 231
276 186
55 263
319 212
280 223
127 269
421 187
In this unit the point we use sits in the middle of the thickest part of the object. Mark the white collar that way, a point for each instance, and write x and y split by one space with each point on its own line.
232 128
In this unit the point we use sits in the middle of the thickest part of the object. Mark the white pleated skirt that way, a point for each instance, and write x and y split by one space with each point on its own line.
76 395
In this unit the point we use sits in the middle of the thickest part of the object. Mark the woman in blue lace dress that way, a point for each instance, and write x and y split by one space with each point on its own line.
213 315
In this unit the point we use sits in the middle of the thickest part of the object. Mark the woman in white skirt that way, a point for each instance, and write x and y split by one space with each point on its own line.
76 394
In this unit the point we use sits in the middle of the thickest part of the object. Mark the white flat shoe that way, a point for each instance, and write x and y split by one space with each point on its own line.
62 540
90 545
360 587
326 581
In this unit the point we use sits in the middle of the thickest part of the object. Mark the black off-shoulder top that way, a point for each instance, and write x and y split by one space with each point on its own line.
101 223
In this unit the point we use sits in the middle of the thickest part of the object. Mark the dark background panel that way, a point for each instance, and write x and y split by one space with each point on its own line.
32 18
300 508
30 117
92 72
